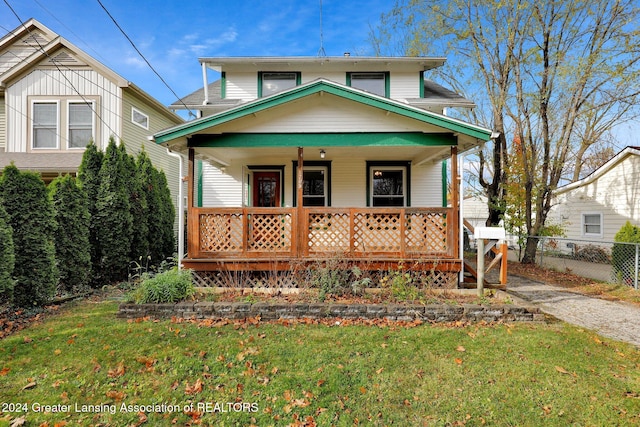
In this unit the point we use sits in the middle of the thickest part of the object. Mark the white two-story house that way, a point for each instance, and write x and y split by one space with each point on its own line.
301 158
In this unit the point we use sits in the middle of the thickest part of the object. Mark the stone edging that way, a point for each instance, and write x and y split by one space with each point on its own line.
274 311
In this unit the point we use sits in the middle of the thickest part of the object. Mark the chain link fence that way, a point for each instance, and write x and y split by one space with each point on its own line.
610 262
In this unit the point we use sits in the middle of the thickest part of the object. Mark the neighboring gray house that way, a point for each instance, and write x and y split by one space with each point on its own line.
54 98
596 207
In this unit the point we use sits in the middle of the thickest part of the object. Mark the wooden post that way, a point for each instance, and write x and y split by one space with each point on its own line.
300 232
192 222
480 268
455 221
503 265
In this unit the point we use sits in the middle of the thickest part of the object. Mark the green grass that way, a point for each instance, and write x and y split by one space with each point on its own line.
506 375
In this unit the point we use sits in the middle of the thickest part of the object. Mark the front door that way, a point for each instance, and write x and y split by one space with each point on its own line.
266 189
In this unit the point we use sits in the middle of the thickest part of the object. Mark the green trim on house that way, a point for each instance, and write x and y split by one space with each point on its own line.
200 185
223 85
315 88
421 83
373 139
444 184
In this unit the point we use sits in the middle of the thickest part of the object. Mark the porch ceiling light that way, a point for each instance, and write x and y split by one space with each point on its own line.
322 153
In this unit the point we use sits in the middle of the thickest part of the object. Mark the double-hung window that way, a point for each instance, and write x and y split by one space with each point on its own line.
45 125
80 124
274 82
62 124
388 184
592 224
377 83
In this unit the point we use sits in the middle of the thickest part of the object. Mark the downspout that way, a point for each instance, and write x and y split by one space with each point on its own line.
180 208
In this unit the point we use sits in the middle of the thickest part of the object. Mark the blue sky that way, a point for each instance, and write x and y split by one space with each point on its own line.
173 34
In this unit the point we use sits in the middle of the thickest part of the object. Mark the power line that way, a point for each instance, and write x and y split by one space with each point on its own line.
143 57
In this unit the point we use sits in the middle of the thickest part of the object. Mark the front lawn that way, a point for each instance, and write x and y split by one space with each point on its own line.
82 366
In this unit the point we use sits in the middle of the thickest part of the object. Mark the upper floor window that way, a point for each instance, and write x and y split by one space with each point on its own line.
140 118
45 124
273 82
80 124
70 121
377 83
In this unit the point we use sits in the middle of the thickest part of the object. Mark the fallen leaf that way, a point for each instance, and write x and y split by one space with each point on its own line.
27 339
458 361
31 385
117 372
461 349
193 389
115 395
57 351
4 371
562 370
20 421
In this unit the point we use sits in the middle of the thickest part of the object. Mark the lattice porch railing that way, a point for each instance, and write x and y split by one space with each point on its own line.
281 232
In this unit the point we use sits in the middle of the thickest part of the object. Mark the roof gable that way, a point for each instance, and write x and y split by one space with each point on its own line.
320 87
602 170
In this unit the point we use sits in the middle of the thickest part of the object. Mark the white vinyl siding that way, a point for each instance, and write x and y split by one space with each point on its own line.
405 85
326 112
242 86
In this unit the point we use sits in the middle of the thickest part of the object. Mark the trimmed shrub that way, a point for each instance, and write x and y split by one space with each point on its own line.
7 257
72 236
113 217
139 210
168 287
25 199
89 181
623 255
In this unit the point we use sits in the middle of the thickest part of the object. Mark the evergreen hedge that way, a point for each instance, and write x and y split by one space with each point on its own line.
7 257
25 199
72 236
113 216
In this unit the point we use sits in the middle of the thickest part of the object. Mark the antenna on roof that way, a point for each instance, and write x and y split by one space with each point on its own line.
321 51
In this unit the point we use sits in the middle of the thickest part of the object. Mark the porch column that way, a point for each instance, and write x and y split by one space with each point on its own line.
299 191
192 220
455 221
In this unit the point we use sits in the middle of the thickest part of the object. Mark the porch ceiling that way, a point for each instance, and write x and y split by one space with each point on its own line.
417 155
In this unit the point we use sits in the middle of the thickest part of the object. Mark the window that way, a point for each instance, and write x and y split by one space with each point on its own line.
377 83
140 118
592 224
273 82
388 184
314 188
45 125
316 183
80 124
63 124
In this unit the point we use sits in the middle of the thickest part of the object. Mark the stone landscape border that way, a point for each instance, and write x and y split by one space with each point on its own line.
273 311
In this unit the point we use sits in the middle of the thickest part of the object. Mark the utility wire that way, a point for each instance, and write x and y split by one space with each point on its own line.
143 57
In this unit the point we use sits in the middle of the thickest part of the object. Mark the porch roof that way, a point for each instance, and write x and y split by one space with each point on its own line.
469 135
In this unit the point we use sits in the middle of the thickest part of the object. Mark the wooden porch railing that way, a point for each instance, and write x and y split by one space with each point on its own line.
405 233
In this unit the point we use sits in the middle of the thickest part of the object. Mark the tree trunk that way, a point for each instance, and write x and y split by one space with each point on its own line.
530 250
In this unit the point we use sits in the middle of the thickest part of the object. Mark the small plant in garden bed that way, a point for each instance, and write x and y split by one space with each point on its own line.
167 287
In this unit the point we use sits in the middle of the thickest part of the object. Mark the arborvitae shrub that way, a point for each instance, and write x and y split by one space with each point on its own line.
25 199
7 257
72 235
139 212
89 181
113 216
